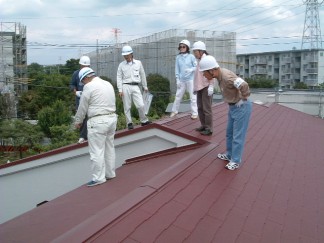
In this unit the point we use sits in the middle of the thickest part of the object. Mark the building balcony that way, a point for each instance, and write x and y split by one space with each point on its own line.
296 76
311 59
259 71
286 70
296 64
275 75
311 70
259 61
311 82
286 81
286 59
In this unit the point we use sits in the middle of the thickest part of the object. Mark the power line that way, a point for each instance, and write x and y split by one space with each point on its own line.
133 14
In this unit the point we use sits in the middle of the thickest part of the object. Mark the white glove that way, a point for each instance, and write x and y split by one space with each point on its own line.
210 90
239 104
78 93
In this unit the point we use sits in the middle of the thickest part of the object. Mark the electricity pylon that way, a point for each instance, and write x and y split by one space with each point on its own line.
312 38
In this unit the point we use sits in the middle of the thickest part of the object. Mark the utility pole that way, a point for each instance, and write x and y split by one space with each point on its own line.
312 38
97 59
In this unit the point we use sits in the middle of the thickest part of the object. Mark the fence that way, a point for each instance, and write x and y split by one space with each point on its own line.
310 102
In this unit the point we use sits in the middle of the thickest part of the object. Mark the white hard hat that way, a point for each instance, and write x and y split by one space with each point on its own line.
199 45
207 63
186 42
85 61
84 72
127 50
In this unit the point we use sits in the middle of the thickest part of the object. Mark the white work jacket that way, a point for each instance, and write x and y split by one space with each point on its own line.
131 73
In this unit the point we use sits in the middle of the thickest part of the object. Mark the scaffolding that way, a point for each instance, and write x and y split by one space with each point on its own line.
158 52
13 63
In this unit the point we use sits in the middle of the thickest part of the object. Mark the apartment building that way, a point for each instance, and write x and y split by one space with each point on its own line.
287 67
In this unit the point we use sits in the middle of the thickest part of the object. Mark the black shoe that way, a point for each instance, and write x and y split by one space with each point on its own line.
200 129
206 132
145 123
130 126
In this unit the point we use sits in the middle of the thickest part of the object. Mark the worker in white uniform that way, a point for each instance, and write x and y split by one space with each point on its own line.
98 102
130 75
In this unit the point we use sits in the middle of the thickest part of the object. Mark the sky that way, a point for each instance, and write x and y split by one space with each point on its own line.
59 30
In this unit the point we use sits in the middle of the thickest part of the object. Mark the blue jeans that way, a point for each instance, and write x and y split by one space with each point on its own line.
237 125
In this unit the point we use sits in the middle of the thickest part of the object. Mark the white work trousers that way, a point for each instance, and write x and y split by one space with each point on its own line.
185 86
101 132
133 93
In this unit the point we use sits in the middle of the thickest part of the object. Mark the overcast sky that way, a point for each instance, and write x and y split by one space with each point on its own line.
59 30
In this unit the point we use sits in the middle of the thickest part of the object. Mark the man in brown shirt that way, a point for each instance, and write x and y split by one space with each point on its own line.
235 92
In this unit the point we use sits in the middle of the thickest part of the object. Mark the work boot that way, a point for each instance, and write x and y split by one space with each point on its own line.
145 123
206 132
130 126
200 129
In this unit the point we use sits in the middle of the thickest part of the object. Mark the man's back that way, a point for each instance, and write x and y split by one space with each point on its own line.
100 96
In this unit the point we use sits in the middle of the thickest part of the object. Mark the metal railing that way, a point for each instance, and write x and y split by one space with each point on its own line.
308 101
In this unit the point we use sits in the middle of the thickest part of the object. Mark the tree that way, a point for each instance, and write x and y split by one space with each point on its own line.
63 135
261 82
29 104
300 85
7 101
70 66
159 86
51 88
56 115
35 70
21 134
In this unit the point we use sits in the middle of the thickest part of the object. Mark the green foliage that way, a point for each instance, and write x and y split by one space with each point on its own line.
20 133
6 105
35 71
70 66
51 88
159 86
261 83
63 134
29 104
109 80
300 85
56 115
121 123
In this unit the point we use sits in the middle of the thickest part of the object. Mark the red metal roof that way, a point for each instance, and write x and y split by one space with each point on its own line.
276 196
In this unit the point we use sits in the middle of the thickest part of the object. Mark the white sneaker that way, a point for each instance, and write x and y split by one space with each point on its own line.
194 117
173 114
232 166
81 140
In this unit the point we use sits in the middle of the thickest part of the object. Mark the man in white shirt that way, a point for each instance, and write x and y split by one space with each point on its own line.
98 102
130 75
